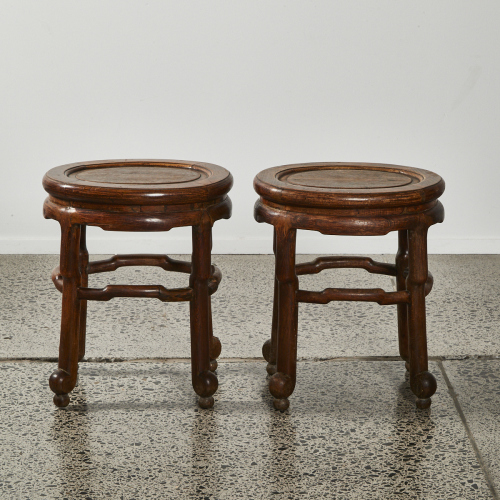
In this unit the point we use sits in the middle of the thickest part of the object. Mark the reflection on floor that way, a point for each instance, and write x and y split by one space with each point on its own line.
133 429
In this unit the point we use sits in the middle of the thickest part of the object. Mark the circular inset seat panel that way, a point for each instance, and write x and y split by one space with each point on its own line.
132 175
348 185
138 182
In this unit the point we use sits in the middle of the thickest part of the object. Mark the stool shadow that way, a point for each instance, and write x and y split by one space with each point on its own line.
70 433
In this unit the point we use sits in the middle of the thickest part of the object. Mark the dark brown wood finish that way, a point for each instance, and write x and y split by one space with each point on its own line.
136 195
84 265
138 182
402 273
204 381
344 185
269 347
282 383
360 199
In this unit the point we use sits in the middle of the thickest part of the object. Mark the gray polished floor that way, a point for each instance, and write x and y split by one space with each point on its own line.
133 429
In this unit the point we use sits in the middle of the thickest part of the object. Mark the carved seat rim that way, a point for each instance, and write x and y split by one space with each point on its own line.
215 182
426 186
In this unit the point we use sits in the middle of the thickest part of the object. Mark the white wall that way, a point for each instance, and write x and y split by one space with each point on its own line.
250 84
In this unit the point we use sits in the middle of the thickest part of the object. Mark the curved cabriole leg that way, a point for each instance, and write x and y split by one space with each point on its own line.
84 262
204 381
402 269
282 383
269 347
422 382
63 380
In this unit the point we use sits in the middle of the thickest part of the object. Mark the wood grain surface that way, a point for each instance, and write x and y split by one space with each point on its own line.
136 195
138 182
359 200
347 178
132 175
344 185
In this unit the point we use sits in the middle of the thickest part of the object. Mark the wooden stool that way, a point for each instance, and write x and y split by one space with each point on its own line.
136 195
359 199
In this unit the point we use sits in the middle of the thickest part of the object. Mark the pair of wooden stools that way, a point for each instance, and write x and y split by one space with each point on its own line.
332 198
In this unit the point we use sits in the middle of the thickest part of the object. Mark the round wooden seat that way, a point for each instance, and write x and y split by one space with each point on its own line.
138 182
349 198
136 195
358 199
348 185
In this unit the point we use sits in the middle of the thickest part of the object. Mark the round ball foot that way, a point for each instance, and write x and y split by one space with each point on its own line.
215 348
61 382
266 350
423 385
407 366
271 369
205 384
213 365
281 386
281 404
423 403
61 400
206 402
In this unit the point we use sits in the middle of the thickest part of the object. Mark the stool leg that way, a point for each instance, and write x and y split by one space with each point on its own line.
84 262
269 347
422 382
215 345
282 383
63 380
204 381
402 270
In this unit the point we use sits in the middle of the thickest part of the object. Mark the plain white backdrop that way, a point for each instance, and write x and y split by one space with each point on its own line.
249 85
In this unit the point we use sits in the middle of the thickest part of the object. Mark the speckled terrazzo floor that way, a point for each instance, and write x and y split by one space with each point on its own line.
463 318
133 429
